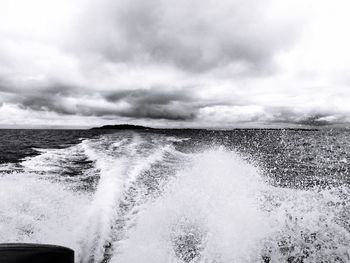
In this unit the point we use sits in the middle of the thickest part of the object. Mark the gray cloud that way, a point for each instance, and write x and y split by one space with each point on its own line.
157 103
194 36
316 120
160 96
191 62
152 103
314 117
177 112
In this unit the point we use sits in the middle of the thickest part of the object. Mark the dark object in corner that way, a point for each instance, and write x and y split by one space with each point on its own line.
122 127
35 253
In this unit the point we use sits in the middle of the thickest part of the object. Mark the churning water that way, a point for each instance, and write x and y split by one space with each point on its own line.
152 197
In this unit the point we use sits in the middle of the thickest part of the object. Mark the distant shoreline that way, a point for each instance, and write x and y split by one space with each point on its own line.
139 127
132 127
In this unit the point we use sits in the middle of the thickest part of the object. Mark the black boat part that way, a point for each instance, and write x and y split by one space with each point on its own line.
35 253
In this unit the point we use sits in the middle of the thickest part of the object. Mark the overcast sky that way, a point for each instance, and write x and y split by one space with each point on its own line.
164 63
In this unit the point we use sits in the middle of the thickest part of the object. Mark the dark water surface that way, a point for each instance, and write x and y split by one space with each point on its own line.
179 195
17 144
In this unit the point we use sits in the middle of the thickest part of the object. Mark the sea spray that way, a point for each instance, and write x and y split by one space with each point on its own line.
119 164
37 210
146 197
222 209
96 232
209 211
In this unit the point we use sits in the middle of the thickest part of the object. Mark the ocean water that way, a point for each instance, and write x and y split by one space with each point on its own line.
179 195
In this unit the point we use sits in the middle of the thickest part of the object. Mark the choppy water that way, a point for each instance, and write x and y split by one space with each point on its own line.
180 196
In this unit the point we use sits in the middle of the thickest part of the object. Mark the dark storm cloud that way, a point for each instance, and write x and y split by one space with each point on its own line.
45 103
177 112
153 103
156 103
194 36
160 96
40 97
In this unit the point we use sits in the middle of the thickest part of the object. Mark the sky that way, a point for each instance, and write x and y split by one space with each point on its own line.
167 63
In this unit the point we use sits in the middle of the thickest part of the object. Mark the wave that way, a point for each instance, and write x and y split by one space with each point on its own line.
136 197
36 210
120 164
222 209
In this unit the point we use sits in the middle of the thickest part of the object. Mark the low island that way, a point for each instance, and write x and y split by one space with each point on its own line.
122 127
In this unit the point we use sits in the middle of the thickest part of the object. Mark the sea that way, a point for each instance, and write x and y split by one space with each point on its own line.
123 196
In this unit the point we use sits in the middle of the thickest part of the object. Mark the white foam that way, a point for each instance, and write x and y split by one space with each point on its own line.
221 210
96 229
117 172
34 210
216 208
50 161
215 198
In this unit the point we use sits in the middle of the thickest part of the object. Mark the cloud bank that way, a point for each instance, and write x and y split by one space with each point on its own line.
174 63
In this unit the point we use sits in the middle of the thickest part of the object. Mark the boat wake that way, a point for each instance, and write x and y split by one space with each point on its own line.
138 197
